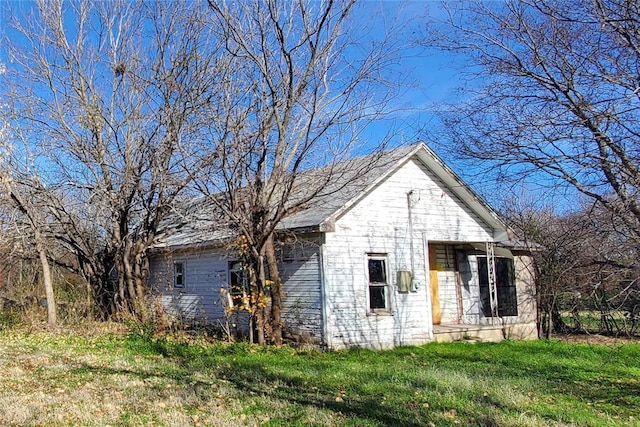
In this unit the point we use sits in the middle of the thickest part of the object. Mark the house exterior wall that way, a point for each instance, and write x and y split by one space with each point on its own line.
379 224
302 299
207 273
470 288
447 282
325 275
525 326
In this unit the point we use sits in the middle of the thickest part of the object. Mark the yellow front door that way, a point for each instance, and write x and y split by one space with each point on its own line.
433 280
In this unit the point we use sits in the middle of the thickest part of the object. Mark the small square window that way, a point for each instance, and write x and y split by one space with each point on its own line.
178 274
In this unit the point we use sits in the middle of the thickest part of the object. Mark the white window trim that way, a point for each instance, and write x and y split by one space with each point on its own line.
387 310
230 270
175 274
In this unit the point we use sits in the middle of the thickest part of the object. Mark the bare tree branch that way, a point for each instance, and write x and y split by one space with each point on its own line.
554 92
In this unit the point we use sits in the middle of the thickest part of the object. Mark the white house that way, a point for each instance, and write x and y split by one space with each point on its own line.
403 254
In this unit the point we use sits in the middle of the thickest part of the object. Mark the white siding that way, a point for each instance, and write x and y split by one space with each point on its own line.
447 286
379 224
205 273
436 210
468 267
350 321
301 303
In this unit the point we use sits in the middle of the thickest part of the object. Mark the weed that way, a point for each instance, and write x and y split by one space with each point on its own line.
8 320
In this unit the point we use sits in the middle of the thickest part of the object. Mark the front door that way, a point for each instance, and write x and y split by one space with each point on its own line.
433 283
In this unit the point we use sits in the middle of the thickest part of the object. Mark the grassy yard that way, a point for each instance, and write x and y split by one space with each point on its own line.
111 379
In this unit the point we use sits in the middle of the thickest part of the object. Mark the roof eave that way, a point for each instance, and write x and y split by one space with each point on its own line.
165 248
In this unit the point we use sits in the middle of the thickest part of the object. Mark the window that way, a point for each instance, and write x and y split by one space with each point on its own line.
378 289
505 286
178 274
237 283
287 253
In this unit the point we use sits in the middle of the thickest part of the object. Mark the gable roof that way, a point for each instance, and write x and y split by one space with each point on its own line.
200 223
326 208
350 181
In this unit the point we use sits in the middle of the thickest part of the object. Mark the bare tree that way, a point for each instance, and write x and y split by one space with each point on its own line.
28 209
583 264
609 259
553 93
299 88
106 94
31 214
557 243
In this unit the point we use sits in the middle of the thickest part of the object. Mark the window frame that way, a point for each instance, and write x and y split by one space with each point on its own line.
507 293
384 285
182 274
237 291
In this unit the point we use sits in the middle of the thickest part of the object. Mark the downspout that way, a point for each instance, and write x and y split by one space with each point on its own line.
324 306
411 251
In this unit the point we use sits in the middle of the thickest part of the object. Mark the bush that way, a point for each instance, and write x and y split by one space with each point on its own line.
8 320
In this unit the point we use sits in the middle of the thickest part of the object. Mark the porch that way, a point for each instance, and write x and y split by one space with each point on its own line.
472 302
449 332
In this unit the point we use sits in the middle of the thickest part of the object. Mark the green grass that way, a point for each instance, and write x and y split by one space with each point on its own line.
48 379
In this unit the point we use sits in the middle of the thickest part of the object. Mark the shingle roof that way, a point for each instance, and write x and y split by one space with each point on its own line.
200 223
349 179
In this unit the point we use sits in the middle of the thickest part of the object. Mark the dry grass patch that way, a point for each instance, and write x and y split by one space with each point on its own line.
59 381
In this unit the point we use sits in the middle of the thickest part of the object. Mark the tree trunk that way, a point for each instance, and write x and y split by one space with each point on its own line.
140 271
252 326
276 293
255 322
559 326
577 323
260 312
125 296
40 247
48 283
548 324
133 304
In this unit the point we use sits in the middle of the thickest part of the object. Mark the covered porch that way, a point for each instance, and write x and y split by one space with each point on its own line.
481 292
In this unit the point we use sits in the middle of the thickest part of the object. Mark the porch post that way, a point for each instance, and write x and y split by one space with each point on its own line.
491 275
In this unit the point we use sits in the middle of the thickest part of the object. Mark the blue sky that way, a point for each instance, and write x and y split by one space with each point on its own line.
431 80
436 79
431 76
428 80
